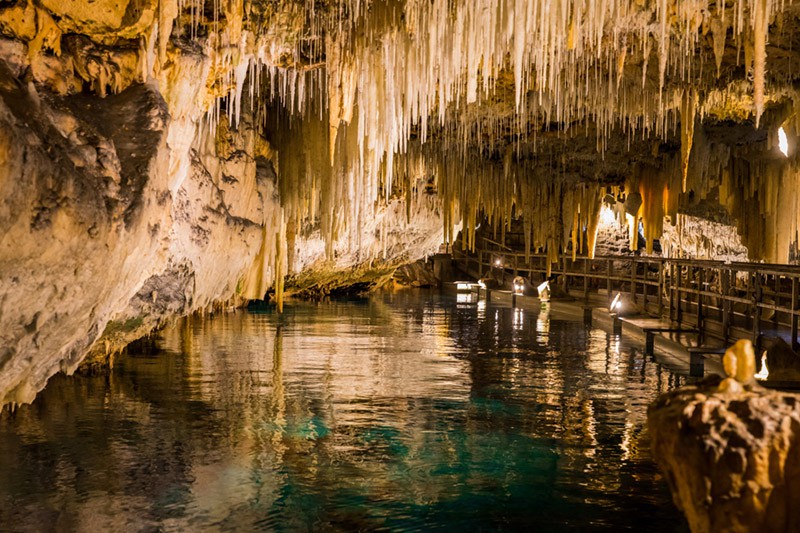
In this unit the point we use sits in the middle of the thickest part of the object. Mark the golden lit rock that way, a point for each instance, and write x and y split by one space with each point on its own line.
739 361
729 455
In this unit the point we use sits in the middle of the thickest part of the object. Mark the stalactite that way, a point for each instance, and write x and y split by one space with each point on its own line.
719 31
760 28
688 103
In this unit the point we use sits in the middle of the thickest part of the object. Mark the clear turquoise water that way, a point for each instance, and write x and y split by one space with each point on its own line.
403 412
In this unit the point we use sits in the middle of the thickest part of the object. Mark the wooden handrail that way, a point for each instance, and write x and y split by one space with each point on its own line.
679 286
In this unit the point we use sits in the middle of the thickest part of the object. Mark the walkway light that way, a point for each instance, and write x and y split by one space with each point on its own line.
519 285
615 303
544 291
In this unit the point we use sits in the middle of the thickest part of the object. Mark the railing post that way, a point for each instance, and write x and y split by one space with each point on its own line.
608 280
795 284
725 286
633 279
643 283
679 279
585 279
756 309
660 289
777 302
701 277
671 289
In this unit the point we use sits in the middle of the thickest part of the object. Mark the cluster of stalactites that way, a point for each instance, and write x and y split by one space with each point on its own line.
558 212
412 69
755 182
567 59
408 64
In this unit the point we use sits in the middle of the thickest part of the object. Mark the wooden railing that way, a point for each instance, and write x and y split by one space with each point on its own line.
723 299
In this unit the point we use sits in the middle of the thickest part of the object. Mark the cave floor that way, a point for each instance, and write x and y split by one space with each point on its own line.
404 411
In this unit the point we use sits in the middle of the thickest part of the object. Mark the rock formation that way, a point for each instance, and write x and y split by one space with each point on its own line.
732 461
730 450
164 156
126 202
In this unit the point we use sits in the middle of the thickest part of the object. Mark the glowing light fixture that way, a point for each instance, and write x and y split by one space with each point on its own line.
498 262
519 285
764 372
615 303
783 141
544 291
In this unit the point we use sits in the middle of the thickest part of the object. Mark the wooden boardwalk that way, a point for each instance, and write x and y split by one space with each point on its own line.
723 301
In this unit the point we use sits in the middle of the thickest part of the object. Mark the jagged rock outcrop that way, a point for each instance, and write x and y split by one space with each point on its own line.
109 228
732 460
730 449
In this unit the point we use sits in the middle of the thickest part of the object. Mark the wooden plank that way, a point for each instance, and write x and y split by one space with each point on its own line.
756 309
726 303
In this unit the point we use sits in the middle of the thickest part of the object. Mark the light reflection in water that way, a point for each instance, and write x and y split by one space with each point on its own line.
543 323
519 319
403 412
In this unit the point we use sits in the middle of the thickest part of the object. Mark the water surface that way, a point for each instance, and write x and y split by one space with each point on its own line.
406 411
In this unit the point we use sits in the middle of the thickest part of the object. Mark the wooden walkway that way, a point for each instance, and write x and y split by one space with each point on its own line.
723 301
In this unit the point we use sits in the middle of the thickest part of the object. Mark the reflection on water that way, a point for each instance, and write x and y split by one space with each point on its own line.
404 412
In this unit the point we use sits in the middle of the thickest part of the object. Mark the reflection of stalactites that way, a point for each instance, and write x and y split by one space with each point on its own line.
186 336
278 400
280 261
